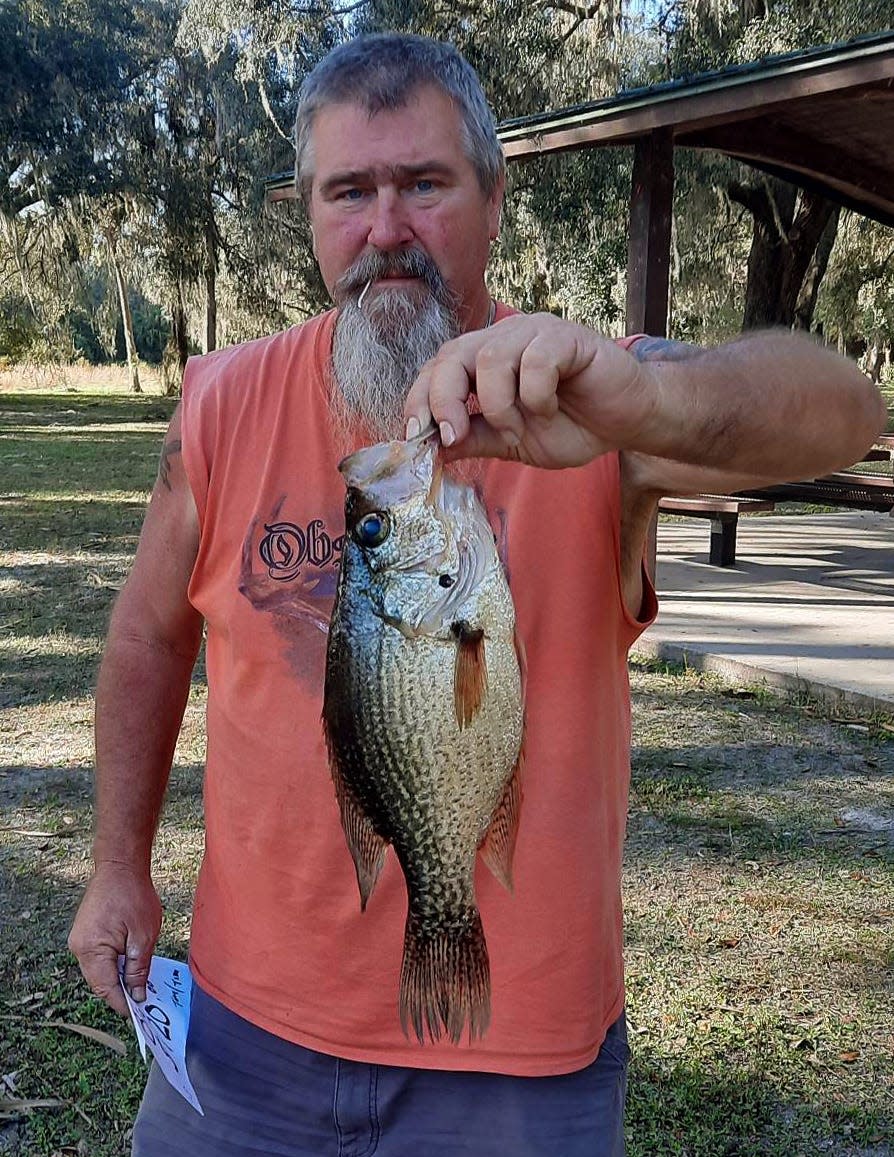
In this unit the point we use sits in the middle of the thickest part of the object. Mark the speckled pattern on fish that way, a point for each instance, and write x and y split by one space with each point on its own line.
423 714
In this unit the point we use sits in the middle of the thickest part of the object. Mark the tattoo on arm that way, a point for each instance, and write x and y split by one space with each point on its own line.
662 349
164 467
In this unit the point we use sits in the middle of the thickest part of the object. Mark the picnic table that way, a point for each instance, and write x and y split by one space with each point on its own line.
882 450
723 510
853 489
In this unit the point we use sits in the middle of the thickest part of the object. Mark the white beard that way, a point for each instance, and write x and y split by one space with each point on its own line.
377 354
379 347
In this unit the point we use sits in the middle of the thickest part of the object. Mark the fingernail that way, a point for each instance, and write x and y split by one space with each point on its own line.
138 994
448 437
413 428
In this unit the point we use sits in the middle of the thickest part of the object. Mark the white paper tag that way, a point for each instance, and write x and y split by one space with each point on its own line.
162 1021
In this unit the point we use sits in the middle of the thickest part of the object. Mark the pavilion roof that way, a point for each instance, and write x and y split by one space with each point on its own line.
822 118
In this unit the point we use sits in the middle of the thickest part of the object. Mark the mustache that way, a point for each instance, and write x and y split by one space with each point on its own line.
375 266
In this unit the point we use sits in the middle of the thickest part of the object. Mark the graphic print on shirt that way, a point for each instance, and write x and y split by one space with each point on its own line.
289 569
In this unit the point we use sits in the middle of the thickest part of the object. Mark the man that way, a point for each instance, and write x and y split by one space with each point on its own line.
295 1044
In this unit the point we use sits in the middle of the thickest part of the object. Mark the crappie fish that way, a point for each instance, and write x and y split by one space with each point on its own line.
423 714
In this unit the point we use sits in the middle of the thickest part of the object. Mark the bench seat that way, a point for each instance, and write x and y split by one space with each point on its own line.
723 510
845 488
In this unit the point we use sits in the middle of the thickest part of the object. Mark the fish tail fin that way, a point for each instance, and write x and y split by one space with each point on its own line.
445 980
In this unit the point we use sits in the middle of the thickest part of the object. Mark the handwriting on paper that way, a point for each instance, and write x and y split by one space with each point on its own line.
162 1021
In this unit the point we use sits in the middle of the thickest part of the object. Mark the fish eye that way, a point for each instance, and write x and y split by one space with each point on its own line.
372 529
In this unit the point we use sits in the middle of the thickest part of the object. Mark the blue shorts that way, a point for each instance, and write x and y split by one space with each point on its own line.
266 1097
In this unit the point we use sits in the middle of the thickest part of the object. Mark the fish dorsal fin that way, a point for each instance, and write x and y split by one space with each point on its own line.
498 845
469 673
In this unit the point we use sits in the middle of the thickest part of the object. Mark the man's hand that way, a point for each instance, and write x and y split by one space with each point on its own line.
120 915
769 405
551 393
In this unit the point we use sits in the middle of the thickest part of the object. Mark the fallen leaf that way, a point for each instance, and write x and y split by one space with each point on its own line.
850 1055
35 835
96 1034
11 1107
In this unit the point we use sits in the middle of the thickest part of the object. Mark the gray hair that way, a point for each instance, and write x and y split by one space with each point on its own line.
383 71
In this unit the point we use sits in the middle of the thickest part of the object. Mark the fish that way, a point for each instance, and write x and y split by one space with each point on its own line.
423 713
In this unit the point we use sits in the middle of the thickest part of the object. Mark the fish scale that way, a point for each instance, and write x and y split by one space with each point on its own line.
423 716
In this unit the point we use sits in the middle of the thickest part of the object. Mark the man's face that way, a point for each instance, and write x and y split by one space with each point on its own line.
397 181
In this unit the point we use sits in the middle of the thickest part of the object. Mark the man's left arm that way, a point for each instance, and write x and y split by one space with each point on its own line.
818 414
646 478
772 405
768 407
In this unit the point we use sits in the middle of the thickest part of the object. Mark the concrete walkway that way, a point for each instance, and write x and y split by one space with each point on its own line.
809 604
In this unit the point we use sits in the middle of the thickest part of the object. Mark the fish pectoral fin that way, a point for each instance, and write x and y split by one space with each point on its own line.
366 846
469 673
498 846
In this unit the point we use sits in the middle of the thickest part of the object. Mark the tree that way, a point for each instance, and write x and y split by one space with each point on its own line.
110 224
136 139
67 71
856 303
788 227
64 113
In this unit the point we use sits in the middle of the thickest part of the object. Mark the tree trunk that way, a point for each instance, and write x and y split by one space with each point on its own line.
788 227
210 342
875 360
130 344
772 205
180 330
819 264
179 344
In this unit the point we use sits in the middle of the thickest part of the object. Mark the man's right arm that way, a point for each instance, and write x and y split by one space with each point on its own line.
141 694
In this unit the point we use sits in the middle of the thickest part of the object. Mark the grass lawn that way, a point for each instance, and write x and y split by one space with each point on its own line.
758 882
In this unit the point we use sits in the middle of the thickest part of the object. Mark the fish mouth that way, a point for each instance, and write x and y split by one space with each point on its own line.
371 464
391 472
426 437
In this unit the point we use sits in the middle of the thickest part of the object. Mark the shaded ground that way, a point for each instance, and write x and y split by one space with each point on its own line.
758 876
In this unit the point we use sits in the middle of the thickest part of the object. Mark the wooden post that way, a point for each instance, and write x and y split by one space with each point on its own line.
648 253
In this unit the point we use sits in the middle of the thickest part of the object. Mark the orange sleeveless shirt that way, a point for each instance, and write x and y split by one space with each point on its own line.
277 932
